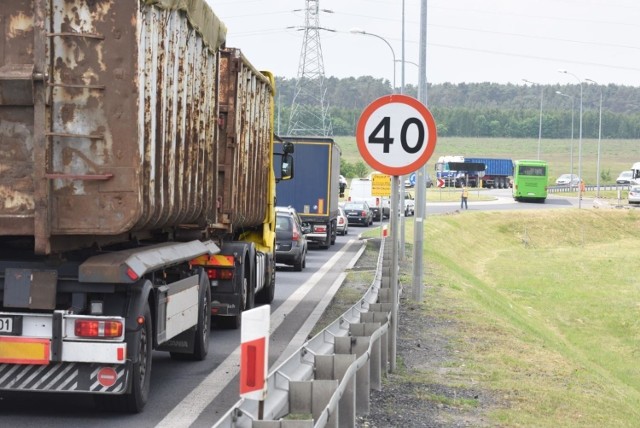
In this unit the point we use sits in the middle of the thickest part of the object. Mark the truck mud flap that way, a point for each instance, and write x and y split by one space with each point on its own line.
65 377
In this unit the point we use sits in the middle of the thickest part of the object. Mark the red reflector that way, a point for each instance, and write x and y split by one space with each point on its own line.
95 328
120 352
132 274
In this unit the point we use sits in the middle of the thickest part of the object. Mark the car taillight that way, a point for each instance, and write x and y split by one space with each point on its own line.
296 234
98 328
363 214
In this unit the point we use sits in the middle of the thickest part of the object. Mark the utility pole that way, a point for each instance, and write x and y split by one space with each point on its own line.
421 185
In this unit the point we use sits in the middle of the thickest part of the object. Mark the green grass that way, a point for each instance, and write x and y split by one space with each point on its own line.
548 303
615 155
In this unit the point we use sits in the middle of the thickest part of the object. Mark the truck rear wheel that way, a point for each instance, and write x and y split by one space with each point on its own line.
135 400
201 335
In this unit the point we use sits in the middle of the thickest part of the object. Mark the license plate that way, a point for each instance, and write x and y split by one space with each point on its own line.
11 325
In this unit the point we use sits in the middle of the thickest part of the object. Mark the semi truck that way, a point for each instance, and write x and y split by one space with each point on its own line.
137 191
475 172
314 191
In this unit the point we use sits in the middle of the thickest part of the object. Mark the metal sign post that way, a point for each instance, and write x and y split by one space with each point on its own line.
396 135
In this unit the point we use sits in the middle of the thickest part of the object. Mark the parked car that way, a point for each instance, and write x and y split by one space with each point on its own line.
291 243
634 194
568 180
409 205
625 177
358 213
343 222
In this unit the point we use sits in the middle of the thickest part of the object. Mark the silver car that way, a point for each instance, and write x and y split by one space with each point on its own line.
568 180
343 222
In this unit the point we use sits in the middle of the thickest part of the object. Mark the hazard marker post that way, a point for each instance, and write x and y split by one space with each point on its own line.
396 135
254 354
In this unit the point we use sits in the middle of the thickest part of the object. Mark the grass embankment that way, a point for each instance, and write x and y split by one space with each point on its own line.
549 308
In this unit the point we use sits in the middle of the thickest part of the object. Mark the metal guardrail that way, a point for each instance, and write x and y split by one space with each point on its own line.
327 381
589 187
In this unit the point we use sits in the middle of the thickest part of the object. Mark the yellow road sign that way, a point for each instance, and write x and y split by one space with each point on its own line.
380 185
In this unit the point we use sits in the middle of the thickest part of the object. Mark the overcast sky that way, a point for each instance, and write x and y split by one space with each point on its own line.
502 41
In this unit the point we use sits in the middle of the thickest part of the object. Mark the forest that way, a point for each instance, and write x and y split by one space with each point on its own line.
477 109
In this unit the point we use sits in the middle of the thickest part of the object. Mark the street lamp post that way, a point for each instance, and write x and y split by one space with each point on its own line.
540 122
571 148
393 53
579 139
599 139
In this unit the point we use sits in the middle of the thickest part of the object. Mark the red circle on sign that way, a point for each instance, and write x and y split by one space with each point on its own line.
107 377
411 106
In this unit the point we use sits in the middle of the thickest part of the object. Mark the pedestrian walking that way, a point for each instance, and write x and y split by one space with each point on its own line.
464 197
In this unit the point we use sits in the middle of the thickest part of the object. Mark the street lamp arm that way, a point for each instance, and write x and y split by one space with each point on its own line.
393 53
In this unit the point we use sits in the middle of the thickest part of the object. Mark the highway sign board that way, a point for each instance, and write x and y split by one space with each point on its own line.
396 134
380 185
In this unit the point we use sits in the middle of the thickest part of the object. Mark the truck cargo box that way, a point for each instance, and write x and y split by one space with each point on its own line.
111 114
494 166
315 187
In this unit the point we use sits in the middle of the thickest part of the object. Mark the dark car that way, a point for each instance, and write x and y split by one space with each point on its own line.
358 213
291 244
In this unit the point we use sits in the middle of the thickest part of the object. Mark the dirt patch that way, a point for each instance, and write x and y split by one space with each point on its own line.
428 387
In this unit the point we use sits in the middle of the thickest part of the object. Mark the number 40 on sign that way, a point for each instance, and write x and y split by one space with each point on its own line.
396 134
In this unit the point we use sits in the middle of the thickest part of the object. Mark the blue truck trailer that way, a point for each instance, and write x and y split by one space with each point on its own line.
315 188
485 172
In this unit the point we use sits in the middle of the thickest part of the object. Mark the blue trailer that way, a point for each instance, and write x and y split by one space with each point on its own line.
497 174
315 187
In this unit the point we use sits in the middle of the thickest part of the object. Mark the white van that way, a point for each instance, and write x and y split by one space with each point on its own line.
360 190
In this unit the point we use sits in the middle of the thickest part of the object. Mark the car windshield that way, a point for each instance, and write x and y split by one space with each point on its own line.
635 189
625 174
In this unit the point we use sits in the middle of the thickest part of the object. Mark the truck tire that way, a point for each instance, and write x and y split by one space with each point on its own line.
201 348
201 335
327 242
334 232
268 292
235 321
135 400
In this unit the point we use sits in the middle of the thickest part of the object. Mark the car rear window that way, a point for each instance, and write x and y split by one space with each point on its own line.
284 222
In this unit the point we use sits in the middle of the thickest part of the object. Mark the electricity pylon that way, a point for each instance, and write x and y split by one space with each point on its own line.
309 112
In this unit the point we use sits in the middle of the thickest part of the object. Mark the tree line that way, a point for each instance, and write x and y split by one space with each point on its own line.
484 109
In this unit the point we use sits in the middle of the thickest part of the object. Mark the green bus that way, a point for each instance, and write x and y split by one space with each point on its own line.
530 180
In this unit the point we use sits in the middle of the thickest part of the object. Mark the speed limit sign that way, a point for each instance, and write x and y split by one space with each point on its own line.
396 134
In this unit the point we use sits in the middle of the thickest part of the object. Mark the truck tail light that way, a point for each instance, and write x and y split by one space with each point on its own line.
220 273
98 328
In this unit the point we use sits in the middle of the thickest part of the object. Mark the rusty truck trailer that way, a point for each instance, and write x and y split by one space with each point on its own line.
136 190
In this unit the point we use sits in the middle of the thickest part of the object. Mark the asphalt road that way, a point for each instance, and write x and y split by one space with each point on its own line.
197 394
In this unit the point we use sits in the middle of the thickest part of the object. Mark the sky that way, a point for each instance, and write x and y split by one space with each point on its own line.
500 41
